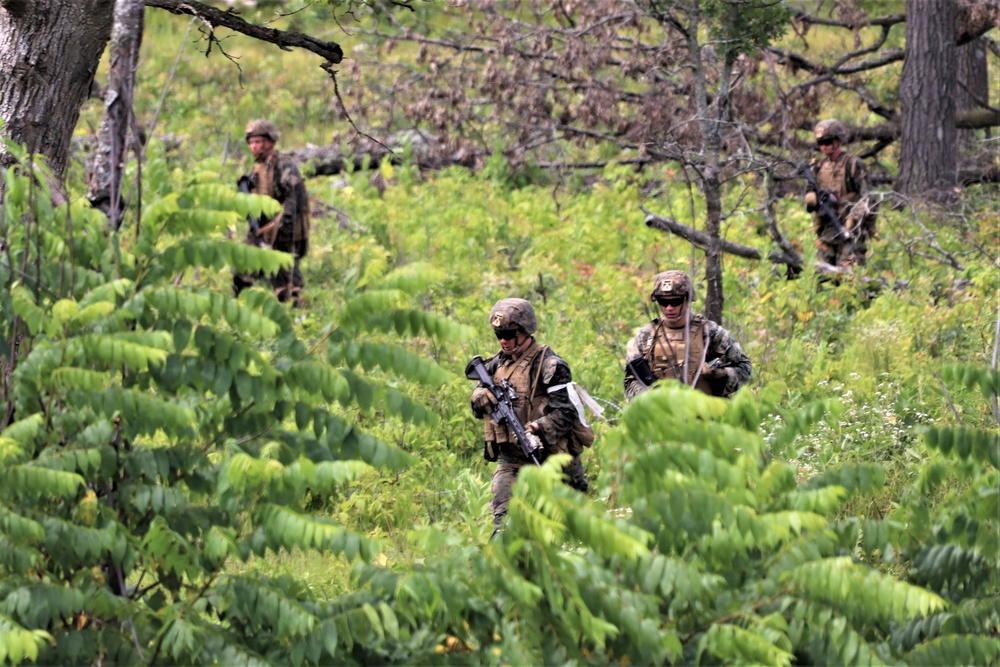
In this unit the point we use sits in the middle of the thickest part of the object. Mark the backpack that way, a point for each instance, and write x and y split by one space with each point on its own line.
582 434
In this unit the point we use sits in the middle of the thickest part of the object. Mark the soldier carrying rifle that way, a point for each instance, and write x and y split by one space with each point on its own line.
278 177
543 402
844 219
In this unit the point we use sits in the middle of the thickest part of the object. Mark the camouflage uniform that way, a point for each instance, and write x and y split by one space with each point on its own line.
531 370
846 178
278 177
701 342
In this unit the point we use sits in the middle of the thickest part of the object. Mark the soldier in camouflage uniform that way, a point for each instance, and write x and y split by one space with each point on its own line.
679 345
540 377
278 177
843 176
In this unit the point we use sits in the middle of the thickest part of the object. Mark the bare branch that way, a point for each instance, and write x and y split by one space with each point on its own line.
330 51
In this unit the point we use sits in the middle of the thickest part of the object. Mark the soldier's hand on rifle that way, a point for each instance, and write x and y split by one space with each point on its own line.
266 229
812 200
532 429
713 373
483 402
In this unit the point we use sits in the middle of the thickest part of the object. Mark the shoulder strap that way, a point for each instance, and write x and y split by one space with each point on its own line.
538 374
648 354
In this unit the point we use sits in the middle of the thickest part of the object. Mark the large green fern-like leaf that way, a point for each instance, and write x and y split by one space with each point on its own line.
956 650
739 645
863 594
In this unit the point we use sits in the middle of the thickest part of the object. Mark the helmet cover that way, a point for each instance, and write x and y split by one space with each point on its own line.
830 129
672 284
261 127
510 313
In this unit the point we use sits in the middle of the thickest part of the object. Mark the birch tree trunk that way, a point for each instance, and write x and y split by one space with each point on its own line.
107 169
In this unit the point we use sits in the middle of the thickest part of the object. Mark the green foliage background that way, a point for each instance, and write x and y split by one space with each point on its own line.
192 478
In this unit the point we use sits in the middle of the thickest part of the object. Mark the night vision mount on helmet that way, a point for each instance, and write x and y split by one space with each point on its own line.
672 283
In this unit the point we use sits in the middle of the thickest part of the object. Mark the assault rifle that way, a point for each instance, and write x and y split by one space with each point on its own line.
826 210
243 185
504 412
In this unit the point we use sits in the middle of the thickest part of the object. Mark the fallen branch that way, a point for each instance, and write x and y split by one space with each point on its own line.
426 152
703 241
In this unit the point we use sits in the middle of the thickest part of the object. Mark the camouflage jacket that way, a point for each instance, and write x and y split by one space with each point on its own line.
278 177
559 415
721 351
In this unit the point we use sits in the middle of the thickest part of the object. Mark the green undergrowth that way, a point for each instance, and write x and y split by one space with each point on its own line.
320 495
195 479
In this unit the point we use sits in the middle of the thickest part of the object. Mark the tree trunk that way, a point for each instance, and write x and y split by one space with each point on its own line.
973 83
927 91
49 52
709 119
105 179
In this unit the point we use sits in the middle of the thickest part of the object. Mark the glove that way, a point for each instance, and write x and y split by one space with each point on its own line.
713 372
810 201
483 402
537 446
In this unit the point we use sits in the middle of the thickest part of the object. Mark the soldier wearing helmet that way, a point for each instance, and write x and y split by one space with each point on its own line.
845 178
278 177
681 346
543 383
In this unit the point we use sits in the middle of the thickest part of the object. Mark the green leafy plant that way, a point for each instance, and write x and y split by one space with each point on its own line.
159 433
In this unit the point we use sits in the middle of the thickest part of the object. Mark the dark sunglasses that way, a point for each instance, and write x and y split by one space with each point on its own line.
676 301
505 334
825 142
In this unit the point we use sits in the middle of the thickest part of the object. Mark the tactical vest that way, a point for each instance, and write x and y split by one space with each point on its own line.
263 179
265 185
669 348
833 175
527 408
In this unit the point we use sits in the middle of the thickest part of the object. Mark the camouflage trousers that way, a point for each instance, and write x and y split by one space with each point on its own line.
505 475
841 253
281 280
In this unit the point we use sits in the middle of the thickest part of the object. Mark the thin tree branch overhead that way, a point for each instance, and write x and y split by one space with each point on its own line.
331 51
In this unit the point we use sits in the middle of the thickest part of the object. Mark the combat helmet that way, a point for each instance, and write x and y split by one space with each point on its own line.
510 313
830 129
672 283
261 127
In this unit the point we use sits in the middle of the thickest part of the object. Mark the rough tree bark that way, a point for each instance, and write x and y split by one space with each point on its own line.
49 52
927 91
107 169
973 82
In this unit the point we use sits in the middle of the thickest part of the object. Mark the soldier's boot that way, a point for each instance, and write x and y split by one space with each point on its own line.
497 525
576 476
